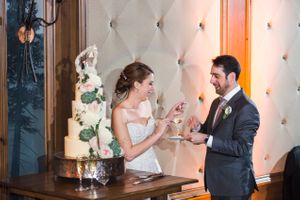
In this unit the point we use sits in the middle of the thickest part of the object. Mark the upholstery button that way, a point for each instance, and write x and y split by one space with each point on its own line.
267 157
158 24
201 97
285 57
268 91
180 62
200 170
112 24
284 121
298 89
269 25
202 25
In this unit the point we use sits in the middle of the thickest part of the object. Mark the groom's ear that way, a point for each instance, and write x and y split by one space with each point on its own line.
231 77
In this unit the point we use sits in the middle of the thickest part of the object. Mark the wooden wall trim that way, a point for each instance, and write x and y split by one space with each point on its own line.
61 48
3 92
235 36
82 24
50 95
66 40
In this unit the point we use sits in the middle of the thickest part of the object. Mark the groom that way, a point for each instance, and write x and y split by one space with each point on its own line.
228 133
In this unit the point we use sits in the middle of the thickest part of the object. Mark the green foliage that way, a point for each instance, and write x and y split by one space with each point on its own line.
87 134
85 78
88 97
114 145
102 98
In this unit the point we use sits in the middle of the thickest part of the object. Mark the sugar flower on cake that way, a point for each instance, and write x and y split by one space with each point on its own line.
90 118
106 152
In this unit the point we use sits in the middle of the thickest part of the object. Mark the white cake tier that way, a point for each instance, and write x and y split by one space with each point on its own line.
74 129
76 147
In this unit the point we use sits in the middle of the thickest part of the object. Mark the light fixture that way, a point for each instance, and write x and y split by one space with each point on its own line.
26 32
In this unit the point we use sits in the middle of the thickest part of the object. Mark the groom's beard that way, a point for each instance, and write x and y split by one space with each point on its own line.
222 90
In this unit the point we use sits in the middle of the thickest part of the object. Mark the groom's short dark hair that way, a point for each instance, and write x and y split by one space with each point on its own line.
229 64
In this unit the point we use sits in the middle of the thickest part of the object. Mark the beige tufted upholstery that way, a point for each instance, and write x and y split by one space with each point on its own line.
166 35
276 80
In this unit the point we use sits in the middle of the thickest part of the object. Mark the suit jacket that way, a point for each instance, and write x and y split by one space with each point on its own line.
228 163
291 175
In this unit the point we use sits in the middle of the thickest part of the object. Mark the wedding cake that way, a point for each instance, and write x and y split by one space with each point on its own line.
89 131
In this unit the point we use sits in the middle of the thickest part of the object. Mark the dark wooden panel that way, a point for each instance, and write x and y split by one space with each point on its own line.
66 43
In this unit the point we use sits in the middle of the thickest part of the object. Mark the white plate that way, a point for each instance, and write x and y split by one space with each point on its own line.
176 138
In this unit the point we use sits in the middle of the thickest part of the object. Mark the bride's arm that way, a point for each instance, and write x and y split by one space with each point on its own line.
121 132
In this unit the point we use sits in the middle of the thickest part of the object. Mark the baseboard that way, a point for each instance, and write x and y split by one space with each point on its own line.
270 188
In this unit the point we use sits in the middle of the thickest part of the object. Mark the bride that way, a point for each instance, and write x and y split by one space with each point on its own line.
132 120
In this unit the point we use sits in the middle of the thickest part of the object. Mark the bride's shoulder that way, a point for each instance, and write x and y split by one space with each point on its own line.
118 109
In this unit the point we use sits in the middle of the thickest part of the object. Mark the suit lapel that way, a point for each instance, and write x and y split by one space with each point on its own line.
231 103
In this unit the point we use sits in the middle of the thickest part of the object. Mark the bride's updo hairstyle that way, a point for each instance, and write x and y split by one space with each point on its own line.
133 72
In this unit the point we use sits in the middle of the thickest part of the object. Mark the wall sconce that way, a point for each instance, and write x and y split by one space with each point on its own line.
26 32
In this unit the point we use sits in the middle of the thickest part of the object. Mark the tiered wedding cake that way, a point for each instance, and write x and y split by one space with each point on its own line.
89 132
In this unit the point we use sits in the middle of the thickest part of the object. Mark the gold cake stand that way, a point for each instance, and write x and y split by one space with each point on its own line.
106 168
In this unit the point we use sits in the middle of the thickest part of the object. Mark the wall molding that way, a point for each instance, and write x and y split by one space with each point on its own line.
49 90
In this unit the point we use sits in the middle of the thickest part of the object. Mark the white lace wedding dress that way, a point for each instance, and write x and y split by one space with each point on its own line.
147 161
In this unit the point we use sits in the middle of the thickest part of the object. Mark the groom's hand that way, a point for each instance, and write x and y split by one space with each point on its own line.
196 138
193 123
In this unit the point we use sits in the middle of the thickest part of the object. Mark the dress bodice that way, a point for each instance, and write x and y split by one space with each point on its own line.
147 161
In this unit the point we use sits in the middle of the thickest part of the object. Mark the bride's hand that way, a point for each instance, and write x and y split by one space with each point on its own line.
161 125
177 109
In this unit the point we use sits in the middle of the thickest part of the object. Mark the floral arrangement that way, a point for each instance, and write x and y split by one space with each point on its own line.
90 113
227 112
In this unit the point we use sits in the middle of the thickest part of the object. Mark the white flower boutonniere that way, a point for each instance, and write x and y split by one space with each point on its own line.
227 112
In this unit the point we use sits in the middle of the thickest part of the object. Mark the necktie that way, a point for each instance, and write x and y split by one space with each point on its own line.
219 110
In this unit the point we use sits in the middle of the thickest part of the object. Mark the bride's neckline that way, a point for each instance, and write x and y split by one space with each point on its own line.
137 121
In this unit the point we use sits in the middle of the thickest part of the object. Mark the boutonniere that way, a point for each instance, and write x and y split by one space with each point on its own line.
227 112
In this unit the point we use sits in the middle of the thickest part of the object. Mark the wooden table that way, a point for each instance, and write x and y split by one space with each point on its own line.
46 186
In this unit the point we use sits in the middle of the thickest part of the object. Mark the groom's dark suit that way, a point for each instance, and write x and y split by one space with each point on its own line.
228 163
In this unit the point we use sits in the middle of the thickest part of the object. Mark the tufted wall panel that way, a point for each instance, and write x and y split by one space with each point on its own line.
166 35
276 80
